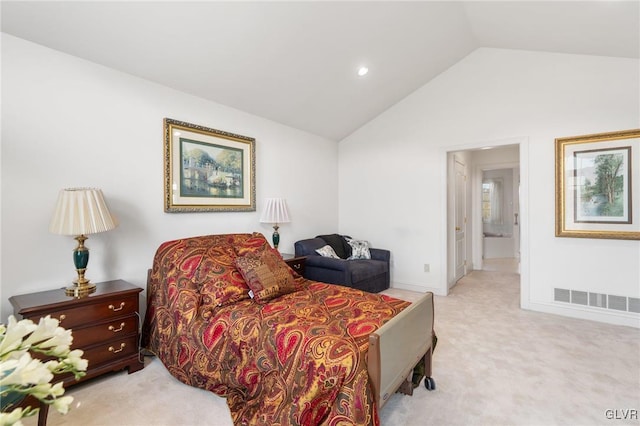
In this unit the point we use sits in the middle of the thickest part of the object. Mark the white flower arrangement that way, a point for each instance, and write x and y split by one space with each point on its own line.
21 375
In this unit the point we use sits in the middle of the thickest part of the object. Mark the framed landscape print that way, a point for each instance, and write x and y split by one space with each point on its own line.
598 185
207 170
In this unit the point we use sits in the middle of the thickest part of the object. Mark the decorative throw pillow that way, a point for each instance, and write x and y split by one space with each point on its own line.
359 249
327 251
266 274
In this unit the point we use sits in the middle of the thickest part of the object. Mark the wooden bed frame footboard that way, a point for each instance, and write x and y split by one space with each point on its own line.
398 346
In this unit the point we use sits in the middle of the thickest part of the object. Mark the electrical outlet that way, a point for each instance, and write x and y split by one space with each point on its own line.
426 267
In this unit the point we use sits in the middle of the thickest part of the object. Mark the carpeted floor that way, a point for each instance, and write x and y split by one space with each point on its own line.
495 364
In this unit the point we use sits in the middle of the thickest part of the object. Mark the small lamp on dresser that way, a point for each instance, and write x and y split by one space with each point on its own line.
80 212
275 212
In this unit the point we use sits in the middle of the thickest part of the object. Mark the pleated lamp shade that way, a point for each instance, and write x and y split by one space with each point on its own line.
275 211
81 211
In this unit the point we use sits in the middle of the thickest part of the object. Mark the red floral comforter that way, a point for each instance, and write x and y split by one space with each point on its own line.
298 360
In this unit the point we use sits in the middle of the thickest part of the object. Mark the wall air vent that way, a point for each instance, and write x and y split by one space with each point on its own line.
561 295
597 300
579 297
619 303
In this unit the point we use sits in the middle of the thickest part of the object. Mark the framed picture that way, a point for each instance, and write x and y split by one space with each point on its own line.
207 170
598 186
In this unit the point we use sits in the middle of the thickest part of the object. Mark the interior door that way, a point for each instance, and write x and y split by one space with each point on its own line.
460 220
516 211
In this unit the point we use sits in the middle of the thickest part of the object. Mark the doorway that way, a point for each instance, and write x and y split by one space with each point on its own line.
499 210
508 221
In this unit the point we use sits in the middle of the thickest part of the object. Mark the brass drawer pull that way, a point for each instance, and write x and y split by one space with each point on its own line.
115 330
62 317
115 351
114 309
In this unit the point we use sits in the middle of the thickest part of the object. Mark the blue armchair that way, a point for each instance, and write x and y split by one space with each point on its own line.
371 275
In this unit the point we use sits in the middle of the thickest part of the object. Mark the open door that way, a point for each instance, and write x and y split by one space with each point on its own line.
460 222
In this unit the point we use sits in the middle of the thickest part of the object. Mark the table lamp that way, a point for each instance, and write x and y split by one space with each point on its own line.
275 212
80 212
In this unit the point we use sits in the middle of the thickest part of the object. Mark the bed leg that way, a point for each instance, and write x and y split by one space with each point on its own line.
429 383
427 363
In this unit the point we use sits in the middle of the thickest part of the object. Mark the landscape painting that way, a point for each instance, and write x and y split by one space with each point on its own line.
210 170
598 185
207 170
602 185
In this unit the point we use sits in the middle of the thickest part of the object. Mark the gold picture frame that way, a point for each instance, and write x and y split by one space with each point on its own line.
207 170
598 185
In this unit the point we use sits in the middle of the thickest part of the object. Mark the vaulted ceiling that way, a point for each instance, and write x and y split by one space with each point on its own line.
296 62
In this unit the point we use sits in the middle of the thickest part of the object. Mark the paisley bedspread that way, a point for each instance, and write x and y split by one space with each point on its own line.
299 359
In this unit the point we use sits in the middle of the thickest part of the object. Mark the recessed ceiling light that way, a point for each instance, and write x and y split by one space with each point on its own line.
362 71
486 147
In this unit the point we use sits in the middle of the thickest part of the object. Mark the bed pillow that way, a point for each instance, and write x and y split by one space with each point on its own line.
327 251
219 280
359 249
267 275
256 243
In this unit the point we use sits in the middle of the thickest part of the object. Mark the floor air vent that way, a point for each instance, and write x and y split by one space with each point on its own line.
597 300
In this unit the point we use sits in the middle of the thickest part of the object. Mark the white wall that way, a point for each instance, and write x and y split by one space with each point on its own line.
391 170
67 122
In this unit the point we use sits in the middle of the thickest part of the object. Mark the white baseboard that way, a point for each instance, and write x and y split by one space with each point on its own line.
576 311
417 287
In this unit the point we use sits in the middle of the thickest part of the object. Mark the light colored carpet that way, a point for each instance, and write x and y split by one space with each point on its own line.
495 364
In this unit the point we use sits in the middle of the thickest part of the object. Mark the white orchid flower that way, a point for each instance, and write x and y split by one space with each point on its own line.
75 360
15 331
41 391
57 389
27 371
23 374
12 418
52 365
62 404
46 328
59 340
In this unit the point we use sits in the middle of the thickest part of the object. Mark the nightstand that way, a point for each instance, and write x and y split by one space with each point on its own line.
104 324
295 263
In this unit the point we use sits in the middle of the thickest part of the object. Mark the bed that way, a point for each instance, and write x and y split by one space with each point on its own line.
226 314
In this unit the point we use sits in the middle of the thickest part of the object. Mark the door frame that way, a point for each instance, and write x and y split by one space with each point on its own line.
447 260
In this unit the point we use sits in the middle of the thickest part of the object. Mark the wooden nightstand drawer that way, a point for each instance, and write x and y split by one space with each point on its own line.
113 350
105 310
295 263
87 336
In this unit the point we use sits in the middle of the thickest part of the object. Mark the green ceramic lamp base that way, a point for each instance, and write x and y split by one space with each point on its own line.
82 286
275 237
